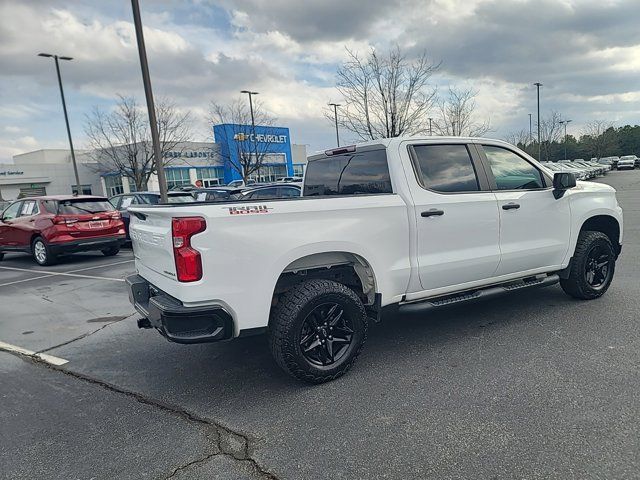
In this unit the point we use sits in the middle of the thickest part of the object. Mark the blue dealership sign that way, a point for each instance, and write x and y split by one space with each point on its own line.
238 140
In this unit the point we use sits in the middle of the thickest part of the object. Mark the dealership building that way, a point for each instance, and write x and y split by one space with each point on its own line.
50 171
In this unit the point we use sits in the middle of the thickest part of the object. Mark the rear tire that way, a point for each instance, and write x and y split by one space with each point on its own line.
42 253
1 256
110 252
317 330
592 267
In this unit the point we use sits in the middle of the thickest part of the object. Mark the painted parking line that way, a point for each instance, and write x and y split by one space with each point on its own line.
53 274
7 347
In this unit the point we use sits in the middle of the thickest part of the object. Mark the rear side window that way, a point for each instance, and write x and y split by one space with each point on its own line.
445 168
50 206
81 207
29 207
348 174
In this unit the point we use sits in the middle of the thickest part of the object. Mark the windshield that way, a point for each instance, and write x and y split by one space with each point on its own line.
79 207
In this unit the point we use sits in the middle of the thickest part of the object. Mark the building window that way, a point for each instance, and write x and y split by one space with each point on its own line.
269 173
298 169
177 177
84 190
210 176
113 185
32 191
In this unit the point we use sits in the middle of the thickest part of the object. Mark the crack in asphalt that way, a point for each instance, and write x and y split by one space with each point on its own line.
190 464
227 442
84 335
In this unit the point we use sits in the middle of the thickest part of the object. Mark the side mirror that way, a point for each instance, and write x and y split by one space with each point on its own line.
563 181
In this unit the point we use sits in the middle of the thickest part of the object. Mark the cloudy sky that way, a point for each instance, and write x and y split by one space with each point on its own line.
587 54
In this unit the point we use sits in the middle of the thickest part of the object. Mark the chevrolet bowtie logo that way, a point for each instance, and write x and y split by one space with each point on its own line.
241 137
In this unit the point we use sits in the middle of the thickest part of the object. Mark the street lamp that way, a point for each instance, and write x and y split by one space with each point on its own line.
253 120
148 93
430 127
66 117
538 85
565 122
335 113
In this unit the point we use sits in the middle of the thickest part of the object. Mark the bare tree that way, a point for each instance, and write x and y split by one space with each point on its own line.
251 152
120 140
457 115
518 138
551 131
385 95
599 136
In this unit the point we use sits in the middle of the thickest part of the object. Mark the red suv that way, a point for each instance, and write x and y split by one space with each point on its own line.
49 226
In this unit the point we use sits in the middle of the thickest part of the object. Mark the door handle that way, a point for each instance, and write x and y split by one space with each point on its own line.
432 213
511 206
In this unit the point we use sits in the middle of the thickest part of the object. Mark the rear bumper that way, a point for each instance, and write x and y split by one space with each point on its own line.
100 243
173 320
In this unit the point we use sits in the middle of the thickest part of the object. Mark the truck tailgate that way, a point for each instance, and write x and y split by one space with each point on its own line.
151 237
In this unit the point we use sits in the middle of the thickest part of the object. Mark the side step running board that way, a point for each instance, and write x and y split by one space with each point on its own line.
488 292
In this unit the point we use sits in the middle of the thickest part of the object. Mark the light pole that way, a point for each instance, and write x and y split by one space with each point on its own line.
538 85
253 121
530 130
430 127
66 117
565 122
335 113
146 80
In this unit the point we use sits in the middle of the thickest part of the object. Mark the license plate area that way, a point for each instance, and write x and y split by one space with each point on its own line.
93 224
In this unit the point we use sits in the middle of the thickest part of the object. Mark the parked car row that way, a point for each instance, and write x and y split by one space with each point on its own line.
582 169
628 162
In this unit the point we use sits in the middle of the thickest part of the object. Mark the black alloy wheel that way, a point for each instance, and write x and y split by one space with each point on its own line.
597 270
326 334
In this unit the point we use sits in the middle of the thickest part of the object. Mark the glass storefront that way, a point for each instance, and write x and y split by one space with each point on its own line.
210 176
177 177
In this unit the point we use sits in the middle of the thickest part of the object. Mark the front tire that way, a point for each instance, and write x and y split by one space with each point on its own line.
317 330
42 253
592 267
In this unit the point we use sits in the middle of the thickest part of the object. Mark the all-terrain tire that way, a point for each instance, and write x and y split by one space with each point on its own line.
42 253
577 285
296 310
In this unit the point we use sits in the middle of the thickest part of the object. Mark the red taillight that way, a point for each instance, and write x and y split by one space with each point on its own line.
188 261
115 215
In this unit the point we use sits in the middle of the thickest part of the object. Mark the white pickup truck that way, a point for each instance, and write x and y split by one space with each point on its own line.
403 223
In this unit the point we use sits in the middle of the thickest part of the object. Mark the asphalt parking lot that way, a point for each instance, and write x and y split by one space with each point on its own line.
532 385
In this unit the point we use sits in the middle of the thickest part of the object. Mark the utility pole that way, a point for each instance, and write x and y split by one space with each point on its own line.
335 113
538 85
430 127
146 80
66 117
253 122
